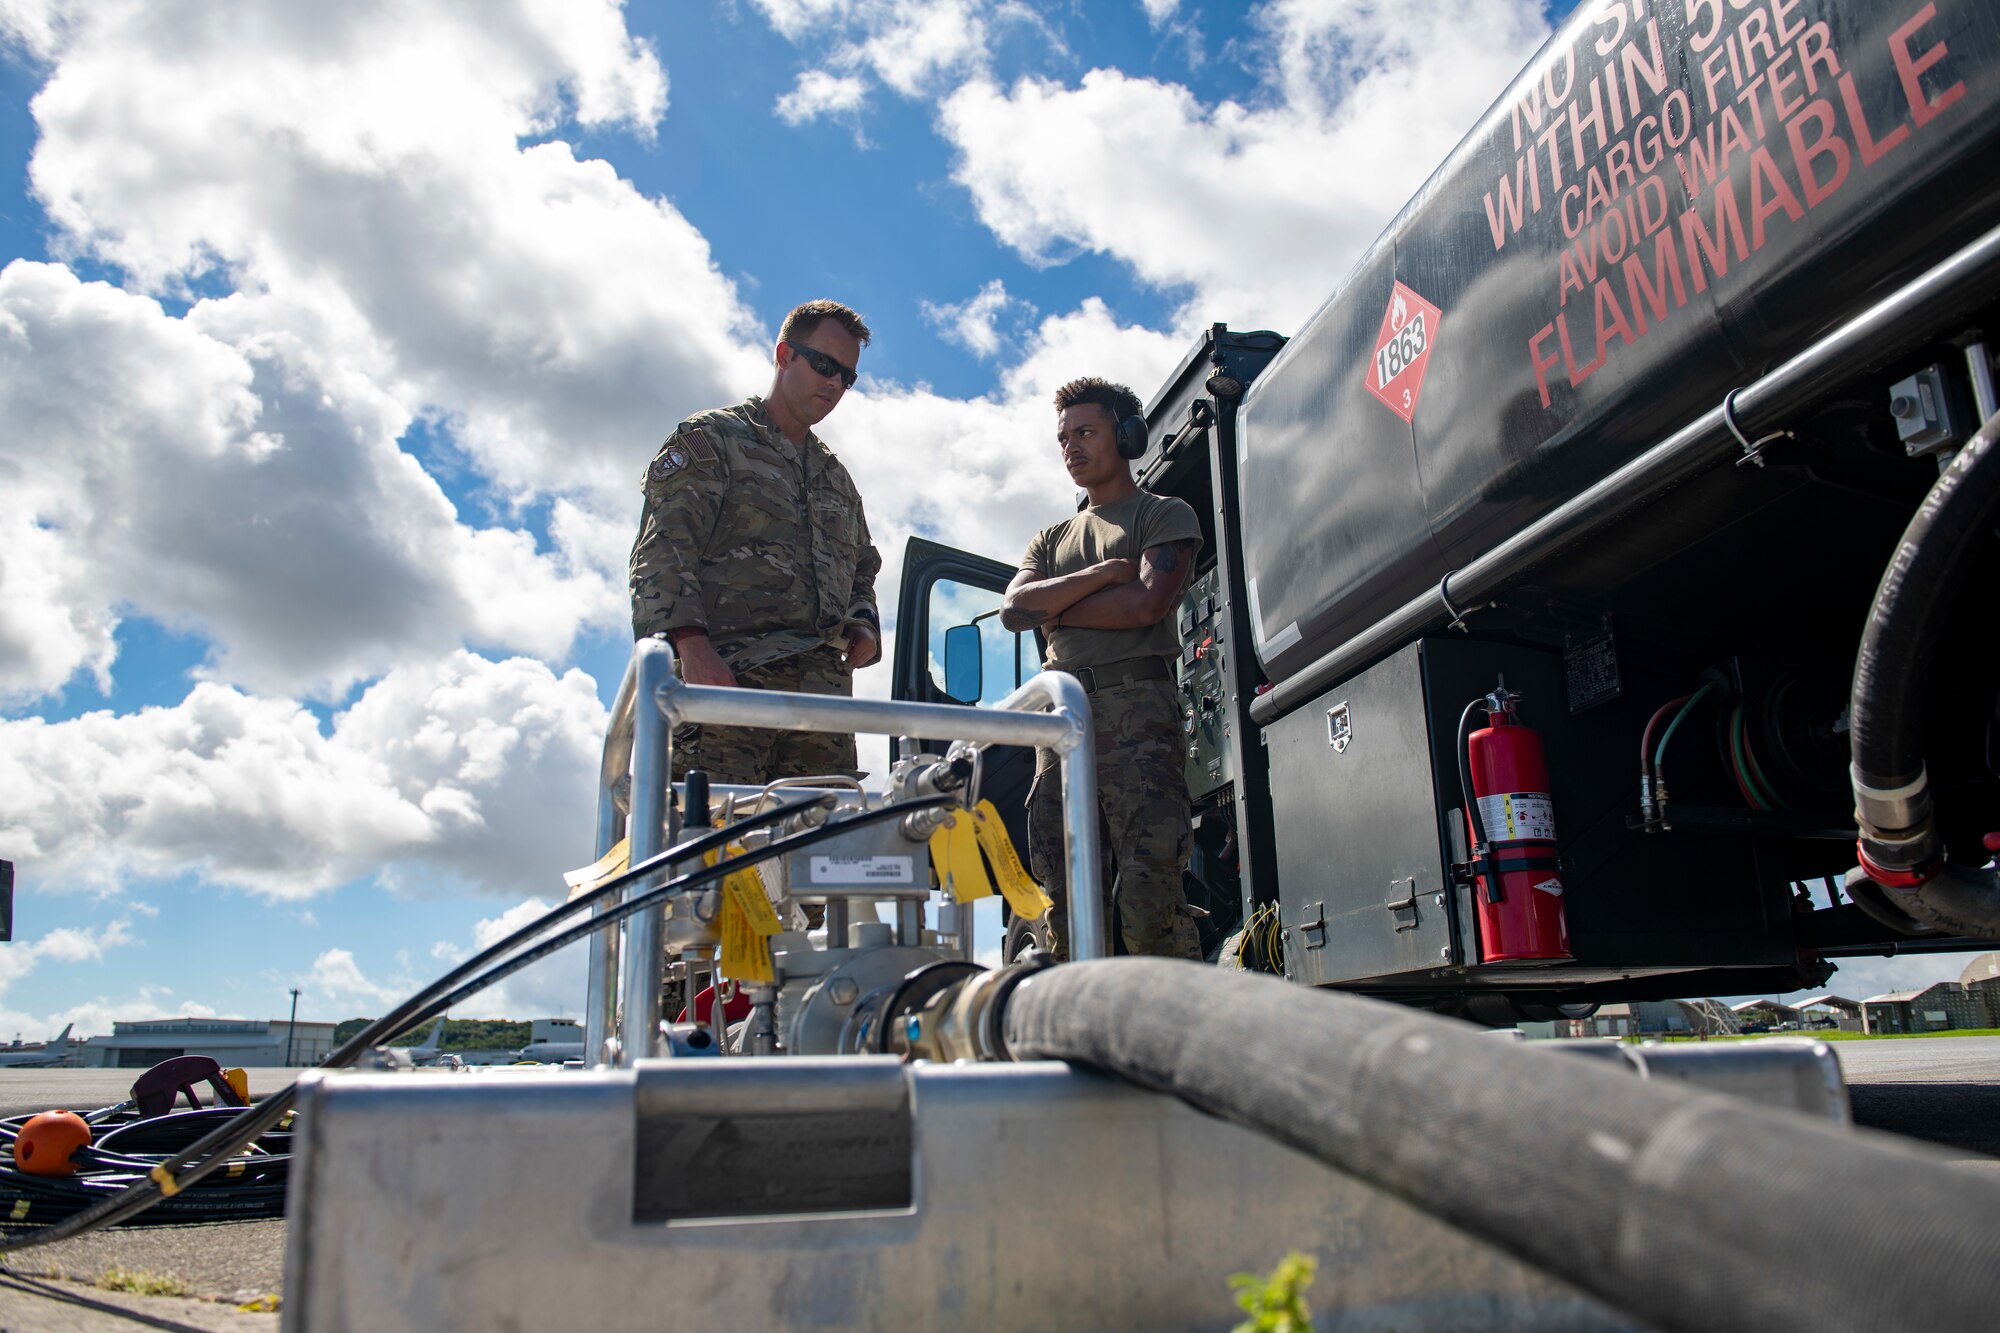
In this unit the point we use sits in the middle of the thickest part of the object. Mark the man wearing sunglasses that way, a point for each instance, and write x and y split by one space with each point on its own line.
754 558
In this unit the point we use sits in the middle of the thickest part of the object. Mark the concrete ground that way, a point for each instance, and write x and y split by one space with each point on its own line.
1945 1090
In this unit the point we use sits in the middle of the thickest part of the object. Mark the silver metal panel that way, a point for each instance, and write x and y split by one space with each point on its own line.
1044 1198
1360 868
1797 1075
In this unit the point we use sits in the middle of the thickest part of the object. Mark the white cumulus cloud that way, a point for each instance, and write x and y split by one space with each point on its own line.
818 93
912 47
972 323
1253 211
252 493
380 184
336 983
468 772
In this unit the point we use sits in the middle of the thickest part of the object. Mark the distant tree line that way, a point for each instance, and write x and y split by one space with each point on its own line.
460 1034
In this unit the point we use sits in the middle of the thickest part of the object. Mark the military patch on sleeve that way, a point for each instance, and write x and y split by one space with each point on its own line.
672 459
697 441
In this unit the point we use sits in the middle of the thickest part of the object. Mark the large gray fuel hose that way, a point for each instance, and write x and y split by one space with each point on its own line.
1686 1209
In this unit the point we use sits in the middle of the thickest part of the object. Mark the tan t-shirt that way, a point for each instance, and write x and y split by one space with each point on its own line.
1122 530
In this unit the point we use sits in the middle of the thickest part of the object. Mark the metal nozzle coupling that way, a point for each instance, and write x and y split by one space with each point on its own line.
941 777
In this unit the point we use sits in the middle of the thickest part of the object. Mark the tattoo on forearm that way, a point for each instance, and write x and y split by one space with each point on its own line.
1167 559
1016 621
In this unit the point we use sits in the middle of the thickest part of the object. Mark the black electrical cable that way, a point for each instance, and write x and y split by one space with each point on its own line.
412 1011
176 1173
193 1163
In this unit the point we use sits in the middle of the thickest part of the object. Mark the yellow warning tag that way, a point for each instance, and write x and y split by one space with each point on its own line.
612 863
955 853
745 955
1022 893
745 888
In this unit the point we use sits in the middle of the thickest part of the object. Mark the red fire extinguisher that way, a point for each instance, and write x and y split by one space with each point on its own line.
1518 879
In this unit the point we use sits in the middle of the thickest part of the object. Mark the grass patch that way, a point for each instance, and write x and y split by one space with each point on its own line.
140 1282
1829 1034
265 1304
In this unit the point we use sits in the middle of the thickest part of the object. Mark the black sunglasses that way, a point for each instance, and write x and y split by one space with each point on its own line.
823 364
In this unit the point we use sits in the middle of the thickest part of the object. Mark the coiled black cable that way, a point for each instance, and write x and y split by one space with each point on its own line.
127 1148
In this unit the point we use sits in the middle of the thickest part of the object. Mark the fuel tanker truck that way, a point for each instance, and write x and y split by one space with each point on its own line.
1596 605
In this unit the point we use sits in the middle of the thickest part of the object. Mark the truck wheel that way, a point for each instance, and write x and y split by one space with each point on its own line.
1023 935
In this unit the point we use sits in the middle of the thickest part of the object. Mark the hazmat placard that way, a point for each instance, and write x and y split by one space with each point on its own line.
1402 351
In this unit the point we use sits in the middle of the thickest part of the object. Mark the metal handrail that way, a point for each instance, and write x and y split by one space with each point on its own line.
1050 711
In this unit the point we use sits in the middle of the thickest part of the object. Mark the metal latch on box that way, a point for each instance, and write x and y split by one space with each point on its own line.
1406 903
1312 925
1339 728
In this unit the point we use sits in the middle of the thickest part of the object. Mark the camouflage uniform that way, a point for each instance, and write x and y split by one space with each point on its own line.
1142 797
753 755
763 544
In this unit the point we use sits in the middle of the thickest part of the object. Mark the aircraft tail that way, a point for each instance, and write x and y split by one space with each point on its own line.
61 1043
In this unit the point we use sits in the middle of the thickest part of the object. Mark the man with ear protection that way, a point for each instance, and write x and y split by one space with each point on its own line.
1103 587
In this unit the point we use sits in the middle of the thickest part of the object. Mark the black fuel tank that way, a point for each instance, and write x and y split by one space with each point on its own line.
1671 198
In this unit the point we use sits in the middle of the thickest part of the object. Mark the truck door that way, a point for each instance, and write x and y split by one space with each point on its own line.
948 616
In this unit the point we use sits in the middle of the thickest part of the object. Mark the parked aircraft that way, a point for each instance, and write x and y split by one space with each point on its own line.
554 1052
38 1057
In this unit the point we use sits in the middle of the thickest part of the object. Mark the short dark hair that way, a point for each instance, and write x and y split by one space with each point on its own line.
804 319
1120 401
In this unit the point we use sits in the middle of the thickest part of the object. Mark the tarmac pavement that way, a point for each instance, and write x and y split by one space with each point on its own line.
1944 1090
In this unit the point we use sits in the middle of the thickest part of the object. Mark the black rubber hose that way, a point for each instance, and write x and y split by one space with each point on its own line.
1911 604
1465 773
1685 1209
1475 853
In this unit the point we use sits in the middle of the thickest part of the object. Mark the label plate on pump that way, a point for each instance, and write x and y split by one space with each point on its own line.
1518 816
850 870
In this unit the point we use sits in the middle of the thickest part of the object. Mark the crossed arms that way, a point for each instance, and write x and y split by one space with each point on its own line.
1111 594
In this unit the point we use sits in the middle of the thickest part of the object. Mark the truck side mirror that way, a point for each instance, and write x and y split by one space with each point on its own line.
964 669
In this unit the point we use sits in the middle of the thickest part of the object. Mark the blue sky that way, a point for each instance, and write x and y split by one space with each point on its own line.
332 345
